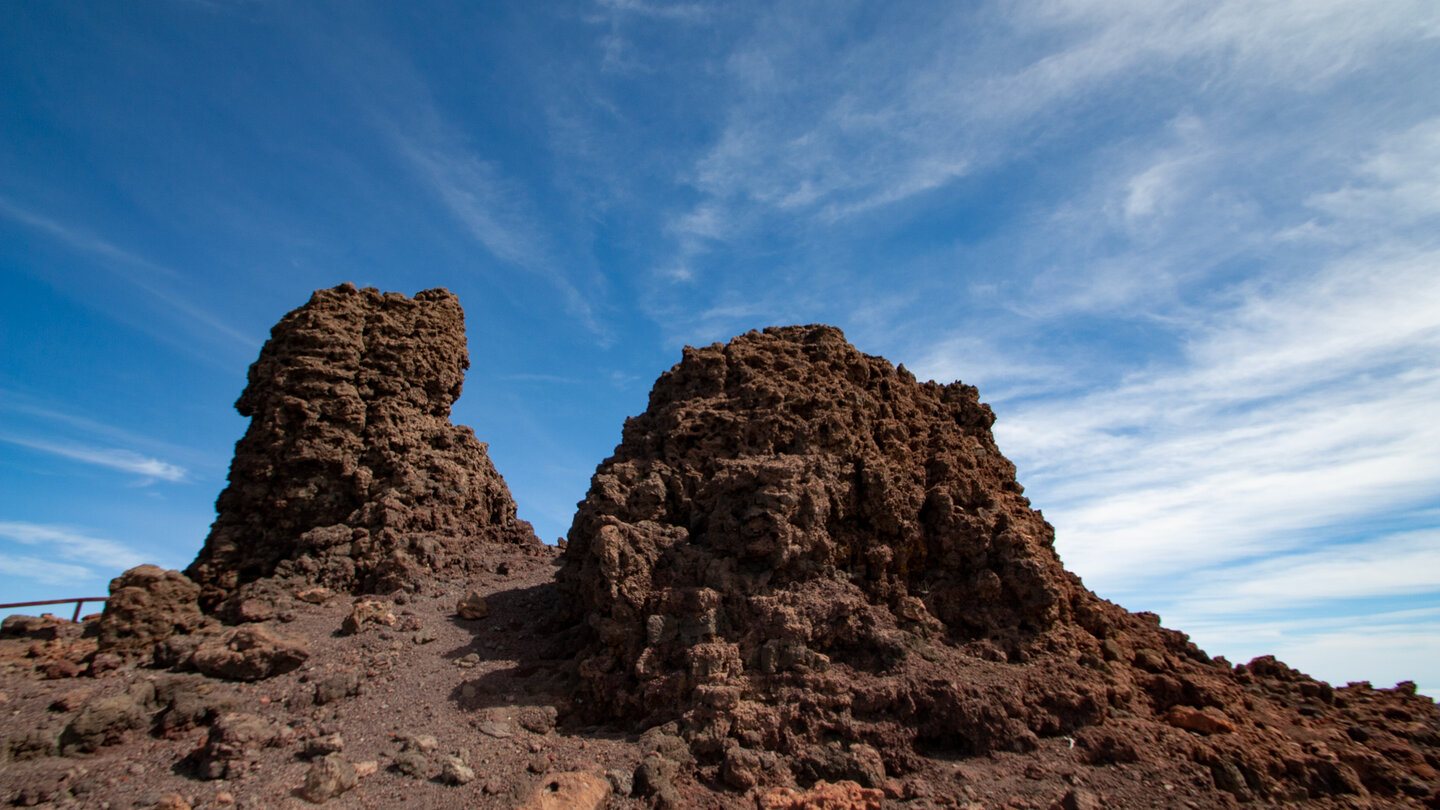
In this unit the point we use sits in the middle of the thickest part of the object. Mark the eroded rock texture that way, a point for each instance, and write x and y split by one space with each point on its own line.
800 549
351 474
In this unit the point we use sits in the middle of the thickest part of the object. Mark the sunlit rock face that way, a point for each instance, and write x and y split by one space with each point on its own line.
351 474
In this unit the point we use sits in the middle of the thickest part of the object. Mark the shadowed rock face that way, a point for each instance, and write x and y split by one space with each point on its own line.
798 548
351 474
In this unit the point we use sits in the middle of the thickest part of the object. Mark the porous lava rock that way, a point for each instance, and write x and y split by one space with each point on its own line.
800 549
147 605
351 475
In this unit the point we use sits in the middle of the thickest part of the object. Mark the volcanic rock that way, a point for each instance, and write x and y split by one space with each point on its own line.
249 653
351 475
799 548
147 605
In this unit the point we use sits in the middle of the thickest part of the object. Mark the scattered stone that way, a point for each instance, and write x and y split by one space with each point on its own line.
573 790
324 746
147 604
39 628
424 743
454 771
171 801
468 661
472 606
537 719
367 613
413 763
425 635
367 768
494 728
338 686
254 610
317 595
234 742
250 653
538 764
103 722
1078 799
327 778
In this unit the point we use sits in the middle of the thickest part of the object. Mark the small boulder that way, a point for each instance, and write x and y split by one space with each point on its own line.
472 606
327 778
335 687
573 790
537 719
103 722
147 604
317 595
454 771
234 742
250 653
324 746
367 613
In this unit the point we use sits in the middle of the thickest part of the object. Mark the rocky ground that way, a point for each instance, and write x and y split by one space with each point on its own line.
435 710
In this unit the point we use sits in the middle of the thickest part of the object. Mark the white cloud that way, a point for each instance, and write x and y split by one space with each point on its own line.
43 571
71 544
115 459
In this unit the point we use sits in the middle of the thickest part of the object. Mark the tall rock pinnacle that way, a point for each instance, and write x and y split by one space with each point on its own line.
351 474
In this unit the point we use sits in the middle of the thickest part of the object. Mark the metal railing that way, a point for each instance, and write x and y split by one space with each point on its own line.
79 603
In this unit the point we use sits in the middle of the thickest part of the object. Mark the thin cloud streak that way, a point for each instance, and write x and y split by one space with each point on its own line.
71 544
110 458
43 571
116 257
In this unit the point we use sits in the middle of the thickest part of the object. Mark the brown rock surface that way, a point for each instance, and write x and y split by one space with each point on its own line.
800 549
579 790
147 605
351 475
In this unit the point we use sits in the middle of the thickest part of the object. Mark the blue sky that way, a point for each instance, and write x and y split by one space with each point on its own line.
1190 252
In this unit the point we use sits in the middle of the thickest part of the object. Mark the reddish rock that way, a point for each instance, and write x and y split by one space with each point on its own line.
351 475
147 605
573 790
367 613
472 606
1202 721
249 653
823 796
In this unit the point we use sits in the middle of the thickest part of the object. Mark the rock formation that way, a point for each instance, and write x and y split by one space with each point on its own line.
351 474
798 548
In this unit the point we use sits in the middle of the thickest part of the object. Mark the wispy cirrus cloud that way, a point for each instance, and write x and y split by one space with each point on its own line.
110 458
69 543
43 570
149 277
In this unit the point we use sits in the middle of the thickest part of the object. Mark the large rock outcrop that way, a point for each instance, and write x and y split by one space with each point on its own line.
798 548
351 474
